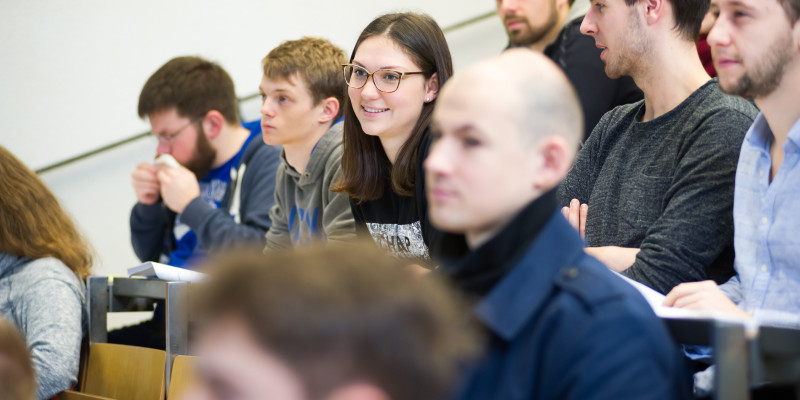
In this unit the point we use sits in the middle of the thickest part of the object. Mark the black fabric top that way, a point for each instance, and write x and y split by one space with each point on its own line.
477 272
400 223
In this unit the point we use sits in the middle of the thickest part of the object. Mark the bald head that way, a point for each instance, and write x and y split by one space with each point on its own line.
525 87
506 131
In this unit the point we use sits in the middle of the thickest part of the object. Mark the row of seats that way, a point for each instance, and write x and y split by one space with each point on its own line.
746 355
115 371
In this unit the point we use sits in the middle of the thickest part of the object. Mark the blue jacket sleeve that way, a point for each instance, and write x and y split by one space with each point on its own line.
616 356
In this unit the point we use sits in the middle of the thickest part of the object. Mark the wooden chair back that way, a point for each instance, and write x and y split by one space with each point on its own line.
125 372
183 375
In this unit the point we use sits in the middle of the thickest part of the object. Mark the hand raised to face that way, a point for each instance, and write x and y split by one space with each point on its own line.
178 187
145 183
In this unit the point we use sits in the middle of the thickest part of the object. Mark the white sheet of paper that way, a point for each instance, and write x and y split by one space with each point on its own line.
165 272
656 301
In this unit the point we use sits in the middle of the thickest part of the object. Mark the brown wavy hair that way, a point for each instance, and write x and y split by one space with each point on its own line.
32 222
365 165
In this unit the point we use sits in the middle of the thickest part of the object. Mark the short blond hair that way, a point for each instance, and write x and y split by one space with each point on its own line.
315 60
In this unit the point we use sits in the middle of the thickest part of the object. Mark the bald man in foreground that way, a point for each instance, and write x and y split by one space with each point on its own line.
559 324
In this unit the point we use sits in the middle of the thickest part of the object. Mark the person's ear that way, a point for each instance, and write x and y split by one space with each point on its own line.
796 34
653 10
357 391
213 122
554 158
329 109
432 88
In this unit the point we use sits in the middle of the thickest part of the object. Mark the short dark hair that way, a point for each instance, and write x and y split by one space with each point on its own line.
193 86
792 9
335 319
689 16
365 165
317 61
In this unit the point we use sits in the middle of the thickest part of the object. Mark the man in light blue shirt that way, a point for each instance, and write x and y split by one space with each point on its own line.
756 49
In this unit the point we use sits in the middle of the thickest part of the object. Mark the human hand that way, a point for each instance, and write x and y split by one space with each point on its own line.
576 215
617 258
704 295
178 187
145 183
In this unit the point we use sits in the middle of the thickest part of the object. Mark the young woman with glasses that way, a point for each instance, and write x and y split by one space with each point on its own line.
396 69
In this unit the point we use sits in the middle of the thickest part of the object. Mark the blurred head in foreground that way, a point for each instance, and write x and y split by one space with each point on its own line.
17 379
329 323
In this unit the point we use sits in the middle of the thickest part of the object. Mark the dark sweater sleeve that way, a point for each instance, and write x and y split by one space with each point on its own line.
216 229
696 225
580 179
148 225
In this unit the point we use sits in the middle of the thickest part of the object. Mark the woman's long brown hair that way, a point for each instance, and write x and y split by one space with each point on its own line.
32 222
365 165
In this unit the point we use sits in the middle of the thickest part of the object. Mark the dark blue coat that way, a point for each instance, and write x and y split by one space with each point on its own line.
561 326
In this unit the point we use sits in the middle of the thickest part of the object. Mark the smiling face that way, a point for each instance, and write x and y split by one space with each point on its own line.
390 116
479 172
528 21
752 43
289 116
619 30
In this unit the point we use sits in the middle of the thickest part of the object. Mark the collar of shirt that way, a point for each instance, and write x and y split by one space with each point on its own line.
526 288
477 272
760 135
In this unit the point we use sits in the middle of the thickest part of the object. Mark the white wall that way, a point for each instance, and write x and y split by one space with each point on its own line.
71 72
70 78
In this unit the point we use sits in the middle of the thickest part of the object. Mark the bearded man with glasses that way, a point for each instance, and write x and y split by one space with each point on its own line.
219 192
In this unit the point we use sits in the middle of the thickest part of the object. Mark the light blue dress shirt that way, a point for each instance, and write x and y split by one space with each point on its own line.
766 217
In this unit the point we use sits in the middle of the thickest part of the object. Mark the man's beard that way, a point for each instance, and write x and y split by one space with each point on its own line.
531 35
625 59
766 74
204 155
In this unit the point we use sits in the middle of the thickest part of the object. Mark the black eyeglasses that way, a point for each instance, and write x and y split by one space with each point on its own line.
385 80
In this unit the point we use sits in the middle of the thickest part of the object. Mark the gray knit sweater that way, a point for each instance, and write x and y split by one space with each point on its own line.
665 186
45 299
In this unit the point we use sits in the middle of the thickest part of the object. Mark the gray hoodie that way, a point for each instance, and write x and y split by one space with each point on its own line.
45 300
305 209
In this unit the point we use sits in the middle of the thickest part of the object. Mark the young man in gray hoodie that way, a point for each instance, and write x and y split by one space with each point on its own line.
301 92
